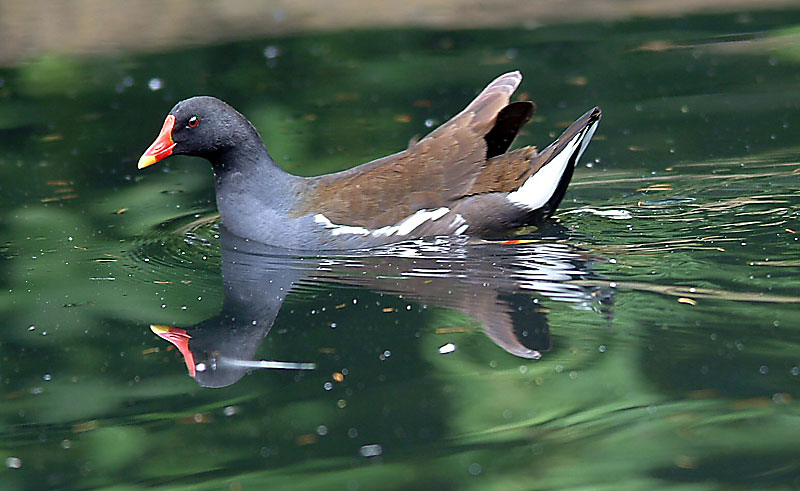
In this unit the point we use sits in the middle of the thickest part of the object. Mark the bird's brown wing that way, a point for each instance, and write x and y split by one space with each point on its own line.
445 165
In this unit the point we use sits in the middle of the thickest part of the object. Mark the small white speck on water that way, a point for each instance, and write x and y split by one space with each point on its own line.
447 348
271 52
322 430
371 450
155 84
13 462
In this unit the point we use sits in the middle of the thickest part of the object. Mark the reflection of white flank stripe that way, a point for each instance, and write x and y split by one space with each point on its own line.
458 220
612 214
539 188
405 227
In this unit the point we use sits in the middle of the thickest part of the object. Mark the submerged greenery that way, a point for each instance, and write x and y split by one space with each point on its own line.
691 379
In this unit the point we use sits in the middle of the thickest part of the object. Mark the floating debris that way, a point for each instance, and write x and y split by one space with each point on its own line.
87 426
450 330
58 198
307 439
579 81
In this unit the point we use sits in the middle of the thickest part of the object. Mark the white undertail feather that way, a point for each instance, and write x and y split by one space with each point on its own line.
539 188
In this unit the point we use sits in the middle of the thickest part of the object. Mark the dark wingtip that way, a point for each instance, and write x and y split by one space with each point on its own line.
507 124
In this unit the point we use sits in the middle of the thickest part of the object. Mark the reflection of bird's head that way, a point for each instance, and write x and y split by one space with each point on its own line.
180 339
220 357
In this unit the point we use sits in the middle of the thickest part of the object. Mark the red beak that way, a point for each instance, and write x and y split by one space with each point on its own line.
162 147
180 339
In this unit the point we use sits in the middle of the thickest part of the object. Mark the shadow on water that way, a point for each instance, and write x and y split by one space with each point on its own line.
503 287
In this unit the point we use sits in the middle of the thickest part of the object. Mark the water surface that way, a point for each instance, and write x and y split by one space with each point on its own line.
647 338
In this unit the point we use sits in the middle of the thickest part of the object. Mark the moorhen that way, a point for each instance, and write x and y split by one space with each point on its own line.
457 180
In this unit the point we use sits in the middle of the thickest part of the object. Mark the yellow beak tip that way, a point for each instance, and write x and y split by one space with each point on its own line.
159 328
146 161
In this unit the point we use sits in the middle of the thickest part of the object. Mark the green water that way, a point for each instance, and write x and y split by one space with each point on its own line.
669 286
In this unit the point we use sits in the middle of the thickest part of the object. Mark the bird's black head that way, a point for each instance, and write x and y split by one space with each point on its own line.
201 126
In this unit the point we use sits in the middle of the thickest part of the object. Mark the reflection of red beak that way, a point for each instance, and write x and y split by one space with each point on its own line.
180 339
162 147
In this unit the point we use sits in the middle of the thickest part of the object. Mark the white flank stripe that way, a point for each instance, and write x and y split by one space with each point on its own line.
339 229
539 188
410 223
405 227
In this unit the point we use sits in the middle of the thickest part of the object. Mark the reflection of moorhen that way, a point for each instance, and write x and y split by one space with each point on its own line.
459 179
498 284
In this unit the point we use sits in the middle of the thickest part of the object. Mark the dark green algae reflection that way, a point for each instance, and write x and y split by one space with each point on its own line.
688 210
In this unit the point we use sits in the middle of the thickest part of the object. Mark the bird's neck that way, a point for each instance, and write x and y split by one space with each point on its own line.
251 187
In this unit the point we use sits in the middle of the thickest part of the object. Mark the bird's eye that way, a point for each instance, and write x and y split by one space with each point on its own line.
193 122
